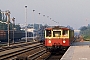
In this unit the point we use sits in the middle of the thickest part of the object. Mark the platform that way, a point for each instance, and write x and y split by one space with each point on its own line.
78 51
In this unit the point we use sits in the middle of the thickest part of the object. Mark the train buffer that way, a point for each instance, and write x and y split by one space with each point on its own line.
79 51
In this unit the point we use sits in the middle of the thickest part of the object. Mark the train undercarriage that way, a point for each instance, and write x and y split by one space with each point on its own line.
57 48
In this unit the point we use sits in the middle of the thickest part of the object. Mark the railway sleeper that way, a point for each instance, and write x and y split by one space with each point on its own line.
24 57
36 55
12 54
45 56
4 48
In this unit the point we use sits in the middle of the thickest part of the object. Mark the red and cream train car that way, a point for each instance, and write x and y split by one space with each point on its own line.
58 37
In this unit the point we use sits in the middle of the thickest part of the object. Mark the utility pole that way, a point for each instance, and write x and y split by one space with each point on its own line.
43 19
8 21
39 18
26 21
13 19
86 22
33 26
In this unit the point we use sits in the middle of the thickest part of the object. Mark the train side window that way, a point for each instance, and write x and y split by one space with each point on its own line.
48 33
65 33
56 33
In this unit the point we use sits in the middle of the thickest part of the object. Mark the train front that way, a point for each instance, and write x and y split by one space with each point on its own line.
57 38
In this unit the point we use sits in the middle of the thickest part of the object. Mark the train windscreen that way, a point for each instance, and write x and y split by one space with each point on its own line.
48 33
56 33
65 33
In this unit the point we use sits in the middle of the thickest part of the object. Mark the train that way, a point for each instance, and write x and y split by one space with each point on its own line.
16 34
58 37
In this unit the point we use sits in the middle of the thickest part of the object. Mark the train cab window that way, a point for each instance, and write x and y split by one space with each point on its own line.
48 33
56 33
65 33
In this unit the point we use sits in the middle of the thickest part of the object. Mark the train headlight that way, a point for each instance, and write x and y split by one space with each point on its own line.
64 41
49 41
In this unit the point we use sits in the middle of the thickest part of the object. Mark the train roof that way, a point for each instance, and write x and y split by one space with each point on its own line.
58 27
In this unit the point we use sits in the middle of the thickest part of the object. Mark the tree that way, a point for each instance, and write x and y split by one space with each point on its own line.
85 32
83 28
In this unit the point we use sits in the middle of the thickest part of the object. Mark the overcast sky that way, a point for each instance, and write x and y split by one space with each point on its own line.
75 13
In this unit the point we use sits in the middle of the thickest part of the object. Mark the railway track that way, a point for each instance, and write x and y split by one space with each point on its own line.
55 57
46 56
13 46
35 54
13 53
29 51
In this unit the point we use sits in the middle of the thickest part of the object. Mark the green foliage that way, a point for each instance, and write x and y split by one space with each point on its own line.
85 32
83 28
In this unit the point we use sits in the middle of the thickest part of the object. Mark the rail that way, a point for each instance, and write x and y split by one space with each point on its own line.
4 48
13 52
36 55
